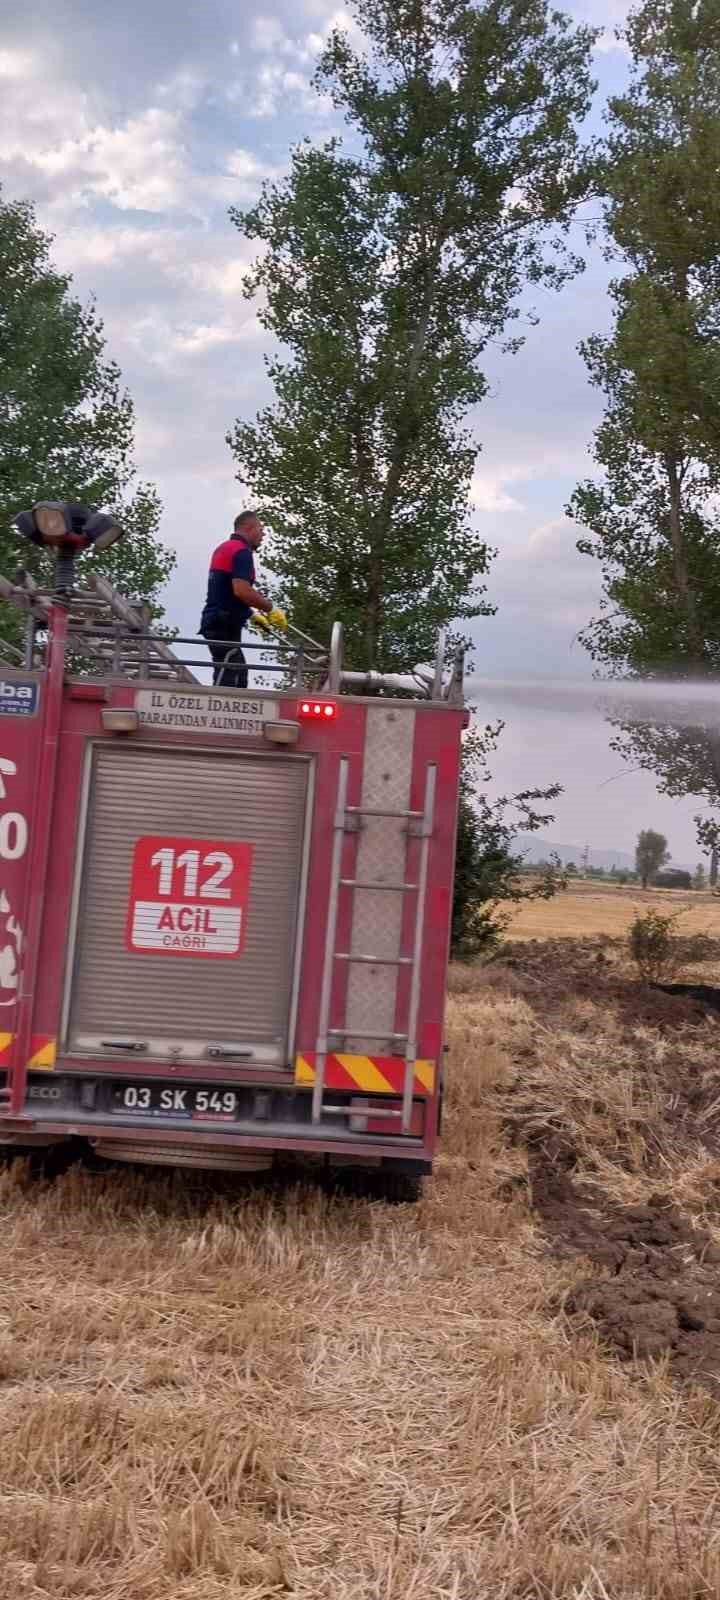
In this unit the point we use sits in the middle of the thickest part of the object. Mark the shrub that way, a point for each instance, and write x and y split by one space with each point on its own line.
653 945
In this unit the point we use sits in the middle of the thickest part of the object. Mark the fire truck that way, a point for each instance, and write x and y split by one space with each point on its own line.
224 914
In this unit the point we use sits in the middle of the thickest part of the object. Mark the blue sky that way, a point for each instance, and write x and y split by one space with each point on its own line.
133 129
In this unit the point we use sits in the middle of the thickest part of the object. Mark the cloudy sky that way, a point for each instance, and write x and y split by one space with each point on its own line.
133 128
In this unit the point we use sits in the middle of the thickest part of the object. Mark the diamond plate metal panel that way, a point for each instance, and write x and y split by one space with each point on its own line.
381 858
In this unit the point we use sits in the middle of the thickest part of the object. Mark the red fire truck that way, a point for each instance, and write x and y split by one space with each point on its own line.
224 914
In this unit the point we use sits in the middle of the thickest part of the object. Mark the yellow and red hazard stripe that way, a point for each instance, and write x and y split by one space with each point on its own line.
372 1074
43 1050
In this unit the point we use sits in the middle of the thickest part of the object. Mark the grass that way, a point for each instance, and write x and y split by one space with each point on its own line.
214 1392
587 909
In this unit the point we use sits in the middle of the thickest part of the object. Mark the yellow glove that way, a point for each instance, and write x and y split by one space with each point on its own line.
267 621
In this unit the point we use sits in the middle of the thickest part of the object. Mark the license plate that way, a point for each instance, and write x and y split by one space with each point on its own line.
159 1100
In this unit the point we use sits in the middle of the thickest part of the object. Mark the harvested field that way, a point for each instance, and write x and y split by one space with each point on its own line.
588 909
510 1391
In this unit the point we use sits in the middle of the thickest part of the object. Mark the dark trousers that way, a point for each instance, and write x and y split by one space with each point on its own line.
229 665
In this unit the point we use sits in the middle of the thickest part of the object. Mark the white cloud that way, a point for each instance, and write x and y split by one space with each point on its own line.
275 86
543 577
283 78
139 163
53 147
248 173
608 42
202 337
226 279
270 37
184 90
612 14
15 64
107 246
487 494
139 166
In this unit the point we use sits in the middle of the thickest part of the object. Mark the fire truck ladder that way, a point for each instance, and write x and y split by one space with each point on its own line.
348 819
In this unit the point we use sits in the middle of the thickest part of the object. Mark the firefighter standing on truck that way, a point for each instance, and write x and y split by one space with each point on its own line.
231 598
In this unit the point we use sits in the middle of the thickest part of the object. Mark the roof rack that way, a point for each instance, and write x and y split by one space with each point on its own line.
113 636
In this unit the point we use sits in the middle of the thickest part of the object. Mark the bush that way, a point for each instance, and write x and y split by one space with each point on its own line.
653 946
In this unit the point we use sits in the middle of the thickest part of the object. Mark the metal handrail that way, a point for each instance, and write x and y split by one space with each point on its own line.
114 635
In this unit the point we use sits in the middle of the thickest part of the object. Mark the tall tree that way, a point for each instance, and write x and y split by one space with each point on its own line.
651 853
652 516
386 268
66 423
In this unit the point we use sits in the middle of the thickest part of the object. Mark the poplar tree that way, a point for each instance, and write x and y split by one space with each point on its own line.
387 264
66 422
651 516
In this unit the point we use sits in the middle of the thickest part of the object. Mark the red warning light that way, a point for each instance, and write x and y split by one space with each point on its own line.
317 710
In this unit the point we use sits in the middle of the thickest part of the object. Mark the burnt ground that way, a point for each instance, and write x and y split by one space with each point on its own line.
652 1285
661 1295
550 972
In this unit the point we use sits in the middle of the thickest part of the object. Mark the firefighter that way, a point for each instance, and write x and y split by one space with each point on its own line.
231 597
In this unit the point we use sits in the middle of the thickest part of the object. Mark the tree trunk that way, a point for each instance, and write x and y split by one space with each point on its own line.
697 661
683 586
398 460
374 607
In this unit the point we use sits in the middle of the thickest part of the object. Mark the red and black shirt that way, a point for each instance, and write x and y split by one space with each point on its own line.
232 559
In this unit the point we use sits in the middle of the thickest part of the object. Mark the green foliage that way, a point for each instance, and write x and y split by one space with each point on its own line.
386 267
487 871
673 878
652 516
651 853
653 946
699 881
139 565
66 424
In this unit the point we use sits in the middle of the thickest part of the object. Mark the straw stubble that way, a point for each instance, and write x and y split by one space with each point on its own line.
232 1391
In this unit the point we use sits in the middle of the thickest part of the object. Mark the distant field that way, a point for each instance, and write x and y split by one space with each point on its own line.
589 908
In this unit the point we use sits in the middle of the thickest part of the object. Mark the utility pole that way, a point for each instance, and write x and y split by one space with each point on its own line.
585 858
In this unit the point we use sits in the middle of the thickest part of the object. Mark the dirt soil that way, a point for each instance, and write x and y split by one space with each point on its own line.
663 1298
653 1288
550 972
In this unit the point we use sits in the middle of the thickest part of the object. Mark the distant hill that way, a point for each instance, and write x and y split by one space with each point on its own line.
533 850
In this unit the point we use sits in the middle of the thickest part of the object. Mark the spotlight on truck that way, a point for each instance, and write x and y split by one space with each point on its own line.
68 528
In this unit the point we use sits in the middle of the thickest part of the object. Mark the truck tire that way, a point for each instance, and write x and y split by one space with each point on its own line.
379 1183
399 1188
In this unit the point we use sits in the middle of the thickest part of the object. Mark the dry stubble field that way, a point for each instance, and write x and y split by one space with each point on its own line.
589 907
507 1391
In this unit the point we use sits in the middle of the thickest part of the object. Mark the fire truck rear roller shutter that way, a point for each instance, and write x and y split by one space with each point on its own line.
176 1001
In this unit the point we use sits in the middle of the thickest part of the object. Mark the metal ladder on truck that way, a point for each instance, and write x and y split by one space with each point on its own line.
352 819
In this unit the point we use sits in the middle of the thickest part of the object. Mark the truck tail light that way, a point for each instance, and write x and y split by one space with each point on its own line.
317 710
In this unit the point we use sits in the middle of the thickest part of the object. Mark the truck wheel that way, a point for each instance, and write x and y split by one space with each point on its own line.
373 1183
399 1188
